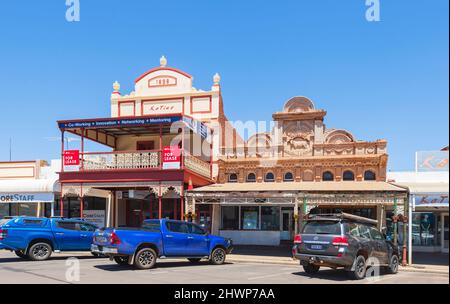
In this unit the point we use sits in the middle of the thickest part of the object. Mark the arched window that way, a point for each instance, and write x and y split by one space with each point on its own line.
251 178
348 176
232 178
369 175
288 177
327 176
269 177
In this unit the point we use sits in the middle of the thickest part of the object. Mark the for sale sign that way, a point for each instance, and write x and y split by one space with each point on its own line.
171 157
71 158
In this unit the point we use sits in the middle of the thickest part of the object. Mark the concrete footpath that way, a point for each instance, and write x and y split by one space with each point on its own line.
423 262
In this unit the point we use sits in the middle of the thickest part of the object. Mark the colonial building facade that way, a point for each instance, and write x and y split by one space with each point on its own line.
267 184
157 143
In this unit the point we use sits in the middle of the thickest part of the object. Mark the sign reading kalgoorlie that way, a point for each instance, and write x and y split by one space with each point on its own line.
171 157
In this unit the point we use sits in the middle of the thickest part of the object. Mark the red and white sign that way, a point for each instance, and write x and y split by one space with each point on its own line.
171 157
71 158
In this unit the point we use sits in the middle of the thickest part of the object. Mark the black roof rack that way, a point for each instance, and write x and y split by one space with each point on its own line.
342 216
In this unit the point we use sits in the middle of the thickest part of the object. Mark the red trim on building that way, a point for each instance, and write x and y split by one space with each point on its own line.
162 69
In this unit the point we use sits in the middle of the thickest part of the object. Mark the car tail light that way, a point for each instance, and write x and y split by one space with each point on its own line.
340 241
114 239
3 234
298 239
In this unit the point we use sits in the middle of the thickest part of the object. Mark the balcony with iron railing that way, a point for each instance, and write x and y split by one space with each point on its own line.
139 160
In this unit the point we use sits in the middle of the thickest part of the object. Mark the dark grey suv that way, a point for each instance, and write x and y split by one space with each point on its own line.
344 241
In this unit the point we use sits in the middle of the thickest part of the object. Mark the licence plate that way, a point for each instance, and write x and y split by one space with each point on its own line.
317 247
100 239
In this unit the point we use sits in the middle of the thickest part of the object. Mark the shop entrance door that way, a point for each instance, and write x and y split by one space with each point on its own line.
287 226
134 213
444 235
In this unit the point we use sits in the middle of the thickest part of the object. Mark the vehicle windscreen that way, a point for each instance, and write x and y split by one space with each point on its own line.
322 227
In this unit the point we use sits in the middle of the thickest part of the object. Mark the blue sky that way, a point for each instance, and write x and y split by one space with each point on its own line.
385 79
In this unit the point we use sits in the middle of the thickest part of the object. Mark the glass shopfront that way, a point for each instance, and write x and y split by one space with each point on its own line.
71 206
264 218
425 229
23 209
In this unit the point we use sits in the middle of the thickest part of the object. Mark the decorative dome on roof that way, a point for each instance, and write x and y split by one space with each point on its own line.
298 104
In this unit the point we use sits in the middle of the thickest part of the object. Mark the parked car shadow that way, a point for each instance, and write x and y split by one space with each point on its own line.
159 265
326 274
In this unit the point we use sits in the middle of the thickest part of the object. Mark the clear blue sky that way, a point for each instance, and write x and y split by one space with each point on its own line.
378 80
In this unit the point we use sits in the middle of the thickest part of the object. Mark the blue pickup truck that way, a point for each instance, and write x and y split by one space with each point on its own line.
160 239
36 238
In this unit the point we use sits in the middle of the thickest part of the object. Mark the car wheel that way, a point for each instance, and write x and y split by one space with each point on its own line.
21 254
218 256
360 269
145 258
39 251
393 265
121 260
194 260
311 268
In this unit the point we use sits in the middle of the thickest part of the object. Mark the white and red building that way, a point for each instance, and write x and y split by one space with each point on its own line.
159 142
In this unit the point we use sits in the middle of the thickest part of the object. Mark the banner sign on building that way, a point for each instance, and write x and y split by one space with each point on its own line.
71 157
114 123
44 197
431 200
196 126
171 157
431 161
96 217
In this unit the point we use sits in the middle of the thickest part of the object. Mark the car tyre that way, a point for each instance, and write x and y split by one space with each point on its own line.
360 268
40 251
121 260
393 265
21 254
145 258
218 256
194 260
311 268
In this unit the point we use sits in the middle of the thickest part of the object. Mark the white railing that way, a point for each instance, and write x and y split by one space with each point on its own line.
121 160
197 165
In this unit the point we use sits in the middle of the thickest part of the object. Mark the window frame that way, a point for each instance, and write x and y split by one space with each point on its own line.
348 180
248 180
233 180
267 180
327 180
288 179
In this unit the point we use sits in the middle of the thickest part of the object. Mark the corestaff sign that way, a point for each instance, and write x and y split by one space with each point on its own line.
45 197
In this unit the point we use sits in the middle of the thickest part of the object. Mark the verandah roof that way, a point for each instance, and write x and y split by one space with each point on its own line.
344 186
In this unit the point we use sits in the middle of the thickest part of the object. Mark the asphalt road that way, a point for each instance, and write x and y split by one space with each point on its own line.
100 270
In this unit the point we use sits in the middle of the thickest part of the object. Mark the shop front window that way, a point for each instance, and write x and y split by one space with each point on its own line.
270 218
230 217
19 209
424 229
4 210
249 218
